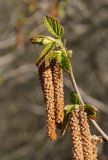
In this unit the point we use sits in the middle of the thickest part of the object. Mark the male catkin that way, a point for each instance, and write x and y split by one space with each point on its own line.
48 90
85 135
57 74
95 141
77 149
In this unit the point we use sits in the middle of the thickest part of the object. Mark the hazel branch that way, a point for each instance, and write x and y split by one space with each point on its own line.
71 75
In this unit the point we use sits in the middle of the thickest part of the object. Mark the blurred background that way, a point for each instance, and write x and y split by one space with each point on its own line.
22 112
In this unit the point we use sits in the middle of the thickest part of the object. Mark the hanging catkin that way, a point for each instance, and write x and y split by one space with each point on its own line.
85 135
77 149
95 141
48 90
58 91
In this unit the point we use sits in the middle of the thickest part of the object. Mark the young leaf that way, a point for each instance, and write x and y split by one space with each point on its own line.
53 26
56 55
68 108
65 124
58 58
69 52
64 43
65 63
41 40
47 49
67 112
74 99
91 111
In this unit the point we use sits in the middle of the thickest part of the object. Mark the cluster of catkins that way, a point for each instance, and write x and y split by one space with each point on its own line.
51 78
84 145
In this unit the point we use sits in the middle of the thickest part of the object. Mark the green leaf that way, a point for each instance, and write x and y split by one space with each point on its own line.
41 40
65 124
67 114
74 99
65 63
64 43
53 26
47 49
68 108
91 111
69 52
57 56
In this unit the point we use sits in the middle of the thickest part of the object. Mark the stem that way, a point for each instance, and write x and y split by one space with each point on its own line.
75 86
71 75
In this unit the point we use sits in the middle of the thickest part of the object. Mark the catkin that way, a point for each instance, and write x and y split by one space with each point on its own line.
58 91
95 141
77 149
85 135
48 90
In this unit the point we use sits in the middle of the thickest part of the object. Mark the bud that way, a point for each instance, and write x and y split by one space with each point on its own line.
77 148
41 40
58 91
48 90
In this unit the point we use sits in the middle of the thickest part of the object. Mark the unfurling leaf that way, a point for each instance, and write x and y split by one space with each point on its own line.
41 40
64 43
55 55
47 49
53 26
65 124
58 58
67 114
69 52
65 63
91 111
74 99
68 108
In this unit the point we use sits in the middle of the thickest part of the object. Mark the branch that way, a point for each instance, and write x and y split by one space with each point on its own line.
28 70
105 137
88 99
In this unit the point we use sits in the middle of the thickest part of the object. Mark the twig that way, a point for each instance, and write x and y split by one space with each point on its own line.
88 99
91 100
30 70
80 98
